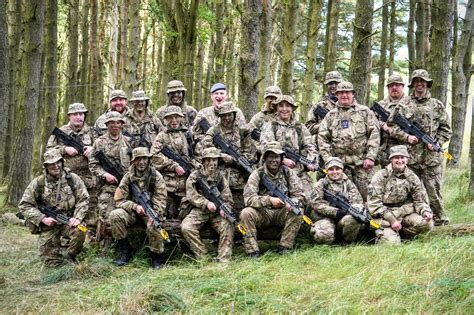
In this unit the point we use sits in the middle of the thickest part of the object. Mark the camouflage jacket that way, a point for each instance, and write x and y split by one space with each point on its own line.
344 187
100 128
188 111
79 164
144 130
256 195
314 120
260 118
217 179
151 182
389 190
71 199
430 115
350 133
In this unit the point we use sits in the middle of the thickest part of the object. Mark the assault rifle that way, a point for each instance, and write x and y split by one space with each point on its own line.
341 202
255 134
230 150
292 155
213 195
68 140
320 111
140 137
275 191
204 125
143 199
171 154
108 166
412 129
53 212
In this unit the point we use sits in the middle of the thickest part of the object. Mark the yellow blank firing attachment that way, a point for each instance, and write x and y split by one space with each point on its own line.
449 157
82 228
241 229
307 219
375 225
165 235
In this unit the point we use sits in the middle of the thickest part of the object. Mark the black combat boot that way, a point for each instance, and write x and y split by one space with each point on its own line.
125 252
282 250
254 255
156 260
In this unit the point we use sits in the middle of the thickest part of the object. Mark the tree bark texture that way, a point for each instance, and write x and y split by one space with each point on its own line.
383 50
73 45
289 46
95 87
4 78
133 46
411 37
266 46
422 18
332 22
392 36
113 46
84 68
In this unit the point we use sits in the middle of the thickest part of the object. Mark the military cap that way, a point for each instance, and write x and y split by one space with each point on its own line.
172 110
139 95
345 86
334 161
284 98
217 87
272 90
398 150
117 93
333 76
226 107
76 108
139 152
175 85
273 146
211 153
422 74
113 116
52 156
395 78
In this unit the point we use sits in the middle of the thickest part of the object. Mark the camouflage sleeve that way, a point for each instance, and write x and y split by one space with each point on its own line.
123 197
375 197
249 149
324 138
191 115
226 193
318 204
206 142
94 164
354 196
157 125
419 196
82 198
159 195
27 205
251 190
198 133
266 134
309 149
373 134
444 132
312 122
240 118
159 161
194 197
53 143
295 191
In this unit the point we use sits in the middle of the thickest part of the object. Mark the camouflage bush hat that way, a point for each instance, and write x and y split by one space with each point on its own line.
333 76
175 85
139 95
113 116
345 86
139 152
211 153
284 98
273 146
76 108
226 107
398 150
217 87
334 161
117 93
51 156
272 90
395 78
172 110
422 74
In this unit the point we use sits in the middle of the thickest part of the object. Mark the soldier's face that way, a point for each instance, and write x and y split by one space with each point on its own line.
270 98
218 97
176 97
420 85
332 86
273 161
345 98
139 106
210 164
141 163
284 110
227 120
395 90
54 169
399 162
335 173
118 104
76 119
173 121
114 127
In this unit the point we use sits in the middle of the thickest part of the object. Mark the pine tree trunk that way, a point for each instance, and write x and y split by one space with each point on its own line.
123 48
383 50
230 60
289 46
133 46
330 54
218 73
393 25
411 37
4 78
191 21
33 23
84 69
94 55
72 46
422 33
265 50
113 46
198 75
361 48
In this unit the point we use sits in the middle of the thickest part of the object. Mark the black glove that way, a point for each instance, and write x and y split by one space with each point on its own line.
339 214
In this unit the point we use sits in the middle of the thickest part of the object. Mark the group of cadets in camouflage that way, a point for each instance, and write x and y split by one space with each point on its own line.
342 141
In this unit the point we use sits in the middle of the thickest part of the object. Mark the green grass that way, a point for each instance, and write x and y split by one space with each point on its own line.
430 275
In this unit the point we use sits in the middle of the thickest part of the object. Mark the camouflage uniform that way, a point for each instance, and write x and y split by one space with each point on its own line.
350 133
69 195
118 153
188 111
431 116
125 215
79 164
200 214
243 143
294 135
259 211
398 196
327 102
141 129
177 140
327 216
99 127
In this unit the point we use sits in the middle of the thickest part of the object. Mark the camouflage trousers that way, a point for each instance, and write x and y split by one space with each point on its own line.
238 198
52 252
360 177
173 204
432 178
252 219
324 230
105 206
121 219
195 220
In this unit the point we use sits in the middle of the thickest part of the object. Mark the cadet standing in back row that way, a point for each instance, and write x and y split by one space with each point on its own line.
176 93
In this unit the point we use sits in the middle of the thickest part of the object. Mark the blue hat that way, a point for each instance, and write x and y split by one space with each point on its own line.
218 86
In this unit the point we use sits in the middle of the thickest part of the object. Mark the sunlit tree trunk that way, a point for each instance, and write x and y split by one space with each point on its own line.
4 78
383 50
266 46
291 9
84 68
332 22
73 48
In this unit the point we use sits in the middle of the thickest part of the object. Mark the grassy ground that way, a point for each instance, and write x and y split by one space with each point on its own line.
428 275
